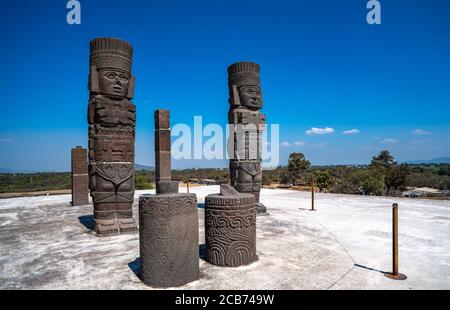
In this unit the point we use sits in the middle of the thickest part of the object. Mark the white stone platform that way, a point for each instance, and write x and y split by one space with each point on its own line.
47 244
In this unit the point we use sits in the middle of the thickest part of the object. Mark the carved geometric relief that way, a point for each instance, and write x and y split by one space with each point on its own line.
168 229
230 230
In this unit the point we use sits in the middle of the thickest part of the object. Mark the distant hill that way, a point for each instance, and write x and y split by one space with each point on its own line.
6 170
440 160
138 167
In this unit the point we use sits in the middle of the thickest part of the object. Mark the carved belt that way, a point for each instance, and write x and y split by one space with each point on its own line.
112 197
115 172
252 168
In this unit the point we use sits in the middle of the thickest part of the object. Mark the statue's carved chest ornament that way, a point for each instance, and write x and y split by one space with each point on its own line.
114 113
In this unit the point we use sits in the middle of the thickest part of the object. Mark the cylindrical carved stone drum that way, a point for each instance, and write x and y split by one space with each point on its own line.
230 230
168 235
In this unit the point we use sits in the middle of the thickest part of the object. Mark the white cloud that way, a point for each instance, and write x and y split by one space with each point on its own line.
351 132
389 141
6 140
320 144
420 132
285 144
299 143
319 131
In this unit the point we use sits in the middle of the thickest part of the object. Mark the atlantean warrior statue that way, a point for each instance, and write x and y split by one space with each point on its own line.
247 124
112 120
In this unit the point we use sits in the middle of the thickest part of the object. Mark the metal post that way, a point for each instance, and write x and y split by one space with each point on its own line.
395 239
395 275
313 190
187 186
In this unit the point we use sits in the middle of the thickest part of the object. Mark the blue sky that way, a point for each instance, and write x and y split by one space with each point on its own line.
322 66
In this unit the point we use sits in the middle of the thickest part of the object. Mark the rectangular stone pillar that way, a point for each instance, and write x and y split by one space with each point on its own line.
80 177
168 222
162 148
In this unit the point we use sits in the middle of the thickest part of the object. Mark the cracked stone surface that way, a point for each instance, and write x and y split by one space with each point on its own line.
47 244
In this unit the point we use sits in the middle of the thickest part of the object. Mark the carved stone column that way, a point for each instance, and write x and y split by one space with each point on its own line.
169 245
163 172
168 222
112 121
230 228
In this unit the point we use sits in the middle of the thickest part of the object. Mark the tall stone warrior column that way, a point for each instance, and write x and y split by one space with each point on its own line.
245 144
112 120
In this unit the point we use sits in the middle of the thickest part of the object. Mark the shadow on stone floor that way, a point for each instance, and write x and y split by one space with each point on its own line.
202 251
87 221
370 269
135 266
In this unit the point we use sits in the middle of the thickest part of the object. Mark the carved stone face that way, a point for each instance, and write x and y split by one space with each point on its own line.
113 82
251 97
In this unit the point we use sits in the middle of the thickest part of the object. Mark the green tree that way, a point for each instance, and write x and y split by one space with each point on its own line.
397 177
324 181
266 179
383 161
284 177
297 165
445 184
141 181
370 182
444 170
345 181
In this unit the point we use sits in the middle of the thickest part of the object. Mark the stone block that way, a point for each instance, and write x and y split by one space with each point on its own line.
162 119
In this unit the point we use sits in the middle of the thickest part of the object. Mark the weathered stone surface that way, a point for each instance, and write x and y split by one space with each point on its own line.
261 209
168 229
112 121
162 119
168 222
80 191
230 230
228 190
167 187
248 124
162 140
163 166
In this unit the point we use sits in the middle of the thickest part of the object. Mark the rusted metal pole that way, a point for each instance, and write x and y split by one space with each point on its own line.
312 192
395 239
395 275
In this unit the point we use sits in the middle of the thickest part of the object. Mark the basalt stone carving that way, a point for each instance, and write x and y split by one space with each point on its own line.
168 229
248 124
168 222
230 228
112 120
80 177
